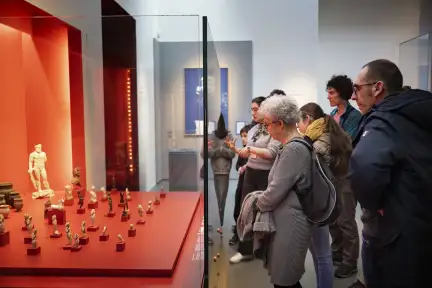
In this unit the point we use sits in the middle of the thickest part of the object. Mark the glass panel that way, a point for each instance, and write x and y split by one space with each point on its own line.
111 96
415 62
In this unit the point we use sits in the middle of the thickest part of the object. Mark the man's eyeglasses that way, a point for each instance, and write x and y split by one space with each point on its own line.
358 87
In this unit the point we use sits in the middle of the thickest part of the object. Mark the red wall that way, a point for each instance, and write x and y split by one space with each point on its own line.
39 103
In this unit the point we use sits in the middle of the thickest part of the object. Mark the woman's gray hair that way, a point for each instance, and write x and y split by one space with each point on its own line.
282 108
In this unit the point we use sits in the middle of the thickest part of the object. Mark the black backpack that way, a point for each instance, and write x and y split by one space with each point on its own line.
319 198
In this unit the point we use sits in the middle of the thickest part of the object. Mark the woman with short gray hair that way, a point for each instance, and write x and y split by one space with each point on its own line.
287 247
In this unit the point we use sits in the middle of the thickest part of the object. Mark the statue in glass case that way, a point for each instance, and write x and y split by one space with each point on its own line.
38 172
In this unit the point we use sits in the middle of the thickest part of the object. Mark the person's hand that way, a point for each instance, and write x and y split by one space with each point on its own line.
231 143
210 144
244 153
242 169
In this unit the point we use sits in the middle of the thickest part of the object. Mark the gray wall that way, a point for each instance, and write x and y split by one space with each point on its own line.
170 61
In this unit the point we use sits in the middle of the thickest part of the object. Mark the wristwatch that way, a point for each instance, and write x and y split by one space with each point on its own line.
248 149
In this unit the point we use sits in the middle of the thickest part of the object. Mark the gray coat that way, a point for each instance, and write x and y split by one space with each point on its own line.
287 248
220 155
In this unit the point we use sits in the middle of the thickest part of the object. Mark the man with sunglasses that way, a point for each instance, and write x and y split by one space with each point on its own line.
390 174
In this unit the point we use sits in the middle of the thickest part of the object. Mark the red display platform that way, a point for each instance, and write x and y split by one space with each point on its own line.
153 252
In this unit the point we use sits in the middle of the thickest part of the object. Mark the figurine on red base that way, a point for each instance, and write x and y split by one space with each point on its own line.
128 196
104 194
131 231
149 208
34 249
156 201
121 245
122 201
83 239
47 207
140 213
4 235
125 215
26 219
30 226
93 203
162 193
68 196
60 216
76 246
110 213
68 236
93 227
104 236
56 233
80 210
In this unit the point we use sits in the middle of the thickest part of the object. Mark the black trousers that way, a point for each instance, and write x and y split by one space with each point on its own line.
254 180
238 197
297 285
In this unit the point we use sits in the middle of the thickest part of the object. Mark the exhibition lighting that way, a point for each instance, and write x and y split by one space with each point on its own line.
128 90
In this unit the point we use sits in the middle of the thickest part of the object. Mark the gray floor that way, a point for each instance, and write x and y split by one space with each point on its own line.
248 274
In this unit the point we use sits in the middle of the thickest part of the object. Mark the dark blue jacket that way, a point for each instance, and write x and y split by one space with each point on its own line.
391 165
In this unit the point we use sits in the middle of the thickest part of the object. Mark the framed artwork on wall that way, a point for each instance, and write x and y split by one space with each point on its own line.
194 100
239 126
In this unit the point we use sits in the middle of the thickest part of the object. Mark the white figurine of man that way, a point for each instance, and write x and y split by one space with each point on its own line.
140 210
54 223
68 192
68 233
93 197
34 239
83 229
128 196
76 239
104 193
120 238
37 171
104 231
93 217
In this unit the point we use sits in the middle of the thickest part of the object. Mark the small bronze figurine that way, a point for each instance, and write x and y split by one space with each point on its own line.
122 197
109 202
76 177
81 199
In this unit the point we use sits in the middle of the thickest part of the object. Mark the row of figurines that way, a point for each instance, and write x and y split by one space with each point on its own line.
93 197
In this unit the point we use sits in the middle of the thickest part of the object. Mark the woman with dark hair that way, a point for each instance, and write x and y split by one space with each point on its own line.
334 145
261 151
221 157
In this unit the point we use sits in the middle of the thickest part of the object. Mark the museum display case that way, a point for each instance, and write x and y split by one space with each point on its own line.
415 61
101 168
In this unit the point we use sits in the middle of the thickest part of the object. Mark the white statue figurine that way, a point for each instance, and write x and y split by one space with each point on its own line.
128 196
93 197
104 231
83 229
34 238
59 206
2 228
120 238
54 223
37 172
140 210
29 224
76 243
93 216
26 216
131 227
149 208
68 233
68 192
104 193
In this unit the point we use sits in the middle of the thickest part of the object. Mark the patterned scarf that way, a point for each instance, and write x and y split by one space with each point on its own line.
262 130
316 129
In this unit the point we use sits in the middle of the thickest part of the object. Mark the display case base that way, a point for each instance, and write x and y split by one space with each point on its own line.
93 228
67 247
59 235
76 248
131 232
27 240
81 211
84 240
60 215
69 202
33 251
93 205
140 222
110 214
120 247
104 237
4 238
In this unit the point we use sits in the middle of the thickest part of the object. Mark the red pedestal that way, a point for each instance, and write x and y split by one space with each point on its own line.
93 205
110 214
69 202
104 237
76 249
162 195
25 228
149 211
120 246
103 199
84 240
92 228
156 202
67 247
27 240
81 211
4 238
140 222
125 218
33 251
132 232
56 235
60 214
121 205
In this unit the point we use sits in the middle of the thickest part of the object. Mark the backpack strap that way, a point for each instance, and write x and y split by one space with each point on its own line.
303 142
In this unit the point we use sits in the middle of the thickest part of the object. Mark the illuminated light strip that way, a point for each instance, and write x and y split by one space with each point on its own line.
129 113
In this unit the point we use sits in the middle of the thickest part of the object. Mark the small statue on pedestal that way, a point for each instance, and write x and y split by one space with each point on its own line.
4 235
68 196
68 236
47 206
122 201
93 203
121 245
110 213
76 178
128 196
56 233
84 239
125 214
131 231
93 227
76 246
149 208
104 236
37 172
34 249
29 228
120 238
140 213
104 194
59 206
162 192
80 210
26 219
156 200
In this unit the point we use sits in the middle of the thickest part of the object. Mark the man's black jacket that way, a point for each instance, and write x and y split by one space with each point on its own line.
391 165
